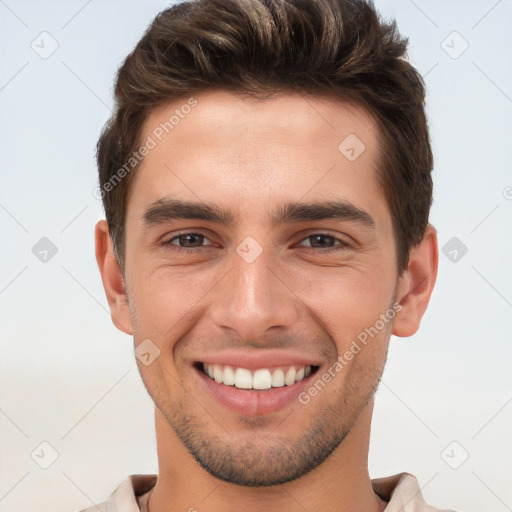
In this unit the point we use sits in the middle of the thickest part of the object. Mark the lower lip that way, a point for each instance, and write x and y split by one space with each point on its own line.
253 402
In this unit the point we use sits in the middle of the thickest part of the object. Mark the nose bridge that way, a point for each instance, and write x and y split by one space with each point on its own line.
252 297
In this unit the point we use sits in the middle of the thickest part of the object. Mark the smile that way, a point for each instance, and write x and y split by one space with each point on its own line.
260 379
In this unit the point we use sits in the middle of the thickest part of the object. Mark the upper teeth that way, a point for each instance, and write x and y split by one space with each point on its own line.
260 379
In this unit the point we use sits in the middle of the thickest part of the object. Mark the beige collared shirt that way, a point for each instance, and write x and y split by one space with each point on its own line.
401 491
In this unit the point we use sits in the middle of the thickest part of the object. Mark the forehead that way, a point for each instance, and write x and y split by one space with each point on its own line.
282 148
294 117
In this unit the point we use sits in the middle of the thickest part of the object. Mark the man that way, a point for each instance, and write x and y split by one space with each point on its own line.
266 179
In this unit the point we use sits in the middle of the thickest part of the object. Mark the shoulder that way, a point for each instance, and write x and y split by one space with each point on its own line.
124 497
403 493
100 507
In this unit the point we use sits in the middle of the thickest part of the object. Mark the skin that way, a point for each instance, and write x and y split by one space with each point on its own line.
261 154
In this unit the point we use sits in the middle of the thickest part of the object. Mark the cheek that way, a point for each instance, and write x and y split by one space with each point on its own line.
347 300
164 299
167 305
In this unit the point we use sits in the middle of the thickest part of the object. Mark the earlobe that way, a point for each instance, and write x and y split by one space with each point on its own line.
416 284
113 280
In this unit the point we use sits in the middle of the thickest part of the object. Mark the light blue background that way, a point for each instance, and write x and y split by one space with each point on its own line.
69 377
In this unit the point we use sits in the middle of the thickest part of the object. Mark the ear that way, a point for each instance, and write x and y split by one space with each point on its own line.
113 280
416 283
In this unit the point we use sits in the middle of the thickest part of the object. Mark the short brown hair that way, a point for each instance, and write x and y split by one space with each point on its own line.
339 48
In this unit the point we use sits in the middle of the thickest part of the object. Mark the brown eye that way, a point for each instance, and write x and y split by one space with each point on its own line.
321 240
324 243
190 239
185 241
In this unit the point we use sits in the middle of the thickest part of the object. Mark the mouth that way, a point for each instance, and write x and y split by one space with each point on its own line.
260 379
254 388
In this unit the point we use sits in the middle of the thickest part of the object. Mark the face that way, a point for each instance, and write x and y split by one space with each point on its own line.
257 251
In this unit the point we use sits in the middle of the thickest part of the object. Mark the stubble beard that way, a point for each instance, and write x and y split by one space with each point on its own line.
267 458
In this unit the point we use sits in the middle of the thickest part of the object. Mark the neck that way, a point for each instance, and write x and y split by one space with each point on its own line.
340 484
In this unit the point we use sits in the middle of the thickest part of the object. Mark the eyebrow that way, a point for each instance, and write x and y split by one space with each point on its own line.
168 209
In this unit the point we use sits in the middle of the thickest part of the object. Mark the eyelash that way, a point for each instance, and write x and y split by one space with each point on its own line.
192 250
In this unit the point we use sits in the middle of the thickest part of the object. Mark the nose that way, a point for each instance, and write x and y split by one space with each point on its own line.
254 297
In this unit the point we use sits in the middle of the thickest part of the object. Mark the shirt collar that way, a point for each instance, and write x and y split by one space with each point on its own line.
401 491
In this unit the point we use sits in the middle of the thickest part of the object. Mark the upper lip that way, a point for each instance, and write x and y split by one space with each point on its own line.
259 358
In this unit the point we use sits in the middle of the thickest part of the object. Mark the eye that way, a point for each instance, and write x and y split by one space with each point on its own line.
191 242
318 242
185 241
